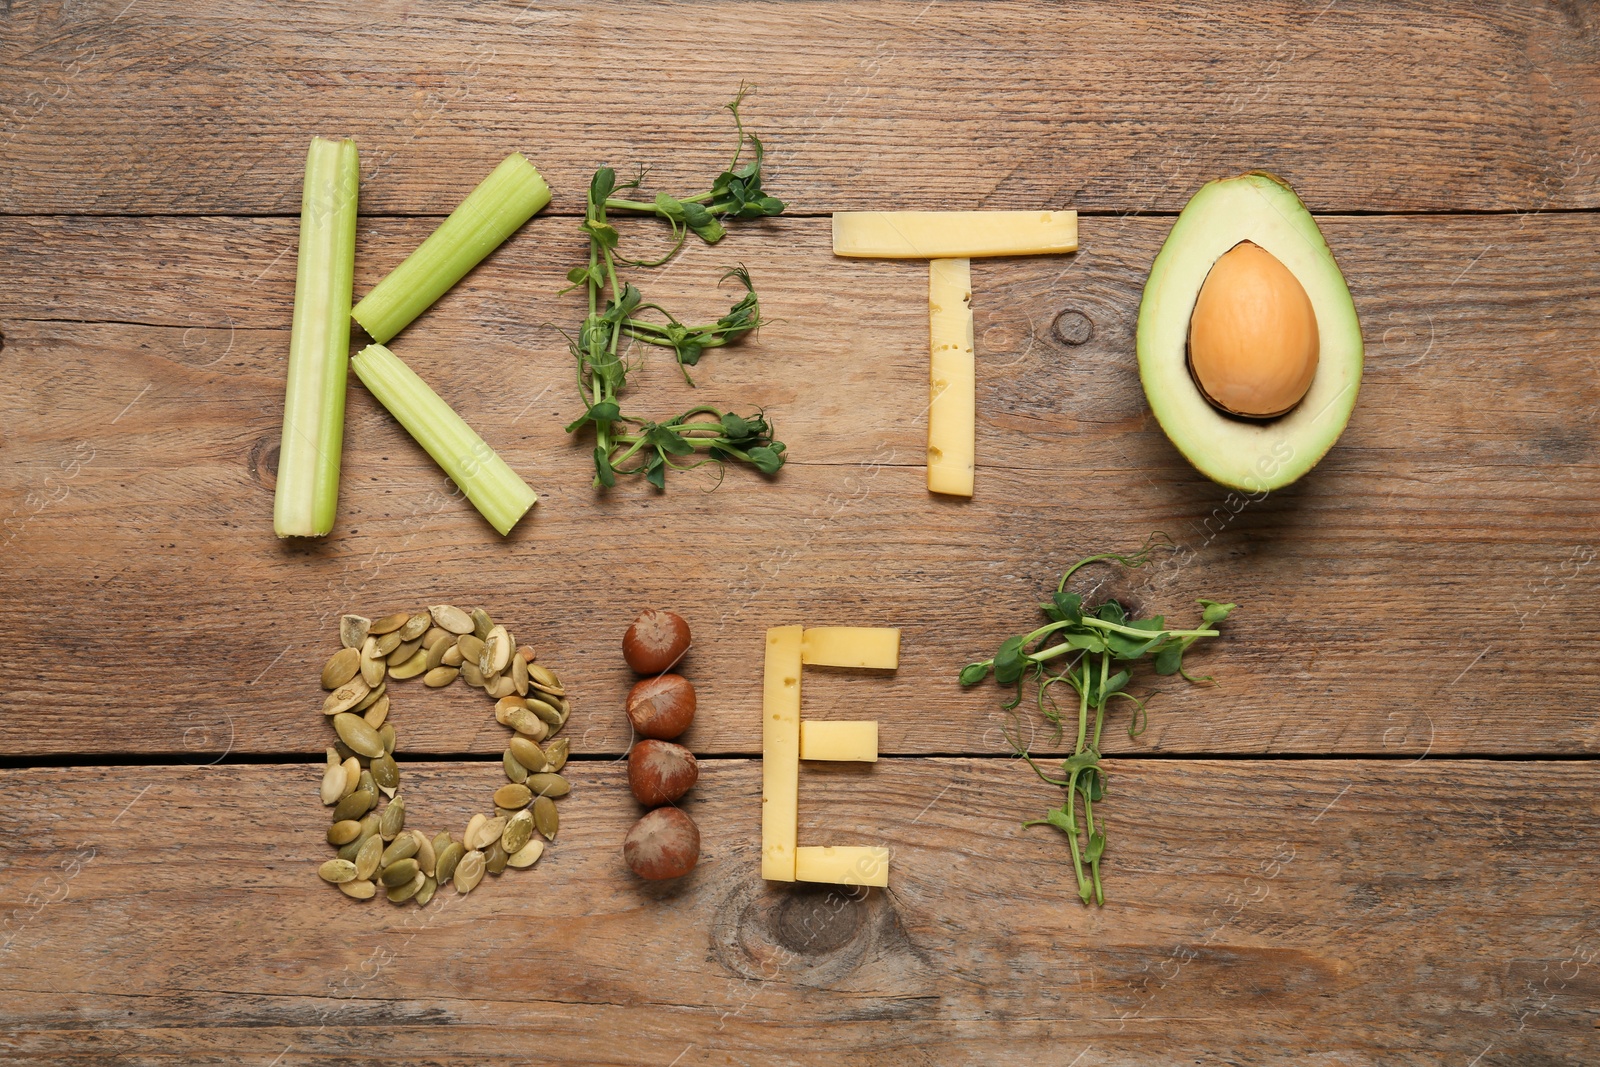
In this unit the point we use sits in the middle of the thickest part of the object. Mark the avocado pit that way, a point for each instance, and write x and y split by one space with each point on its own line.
1253 337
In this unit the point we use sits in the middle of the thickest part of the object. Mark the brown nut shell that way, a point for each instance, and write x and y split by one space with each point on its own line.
660 772
661 707
664 844
656 641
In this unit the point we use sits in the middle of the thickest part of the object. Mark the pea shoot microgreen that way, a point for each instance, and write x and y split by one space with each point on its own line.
1078 648
618 312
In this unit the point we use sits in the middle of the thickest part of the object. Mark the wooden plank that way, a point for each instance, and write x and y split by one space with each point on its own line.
150 108
1332 912
1411 593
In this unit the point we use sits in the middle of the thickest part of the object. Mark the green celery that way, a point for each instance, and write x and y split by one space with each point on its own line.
492 212
307 496
494 488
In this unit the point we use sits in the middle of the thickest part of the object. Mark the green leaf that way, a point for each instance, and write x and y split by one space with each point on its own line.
1213 612
578 275
1010 661
973 673
1080 762
703 223
656 471
604 234
734 427
605 411
767 458
1112 611
1097 847
668 440
1169 657
1070 605
601 185
1059 818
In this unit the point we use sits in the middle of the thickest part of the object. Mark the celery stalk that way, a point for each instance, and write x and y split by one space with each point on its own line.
319 343
494 489
493 211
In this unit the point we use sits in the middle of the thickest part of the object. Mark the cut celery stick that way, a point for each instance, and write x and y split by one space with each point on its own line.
503 201
307 496
494 488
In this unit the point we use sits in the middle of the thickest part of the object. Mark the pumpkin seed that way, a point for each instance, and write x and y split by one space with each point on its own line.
451 618
399 872
404 651
499 685
441 840
427 859
526 856
528 754
452 657
519 674
471 674
514 796
547 713
498 648
495 858
471 649
449 856
353 630
515 771
469 872
434 657
481 623
401 893
354 731
386 735
351 807
333 779
490 831
526 652
346 696
518 832
474 824
372 665
412 667
387 644
546 817
371 698
360 889
342 666
549 785
375 715
393 819
343 831
388 623
403 847
555 754
368 856
425 894
527 724
440 677
416 626
504 813
435 636
366 782
385 771
543 677
352 776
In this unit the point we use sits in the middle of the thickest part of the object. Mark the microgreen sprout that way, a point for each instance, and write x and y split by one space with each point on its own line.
618 312
1077 648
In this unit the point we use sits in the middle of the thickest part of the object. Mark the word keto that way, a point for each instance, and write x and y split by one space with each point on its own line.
786 740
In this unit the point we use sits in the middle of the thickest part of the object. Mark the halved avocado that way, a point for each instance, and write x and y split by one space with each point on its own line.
1253 455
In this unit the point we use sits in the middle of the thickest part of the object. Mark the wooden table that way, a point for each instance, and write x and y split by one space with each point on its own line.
1374 842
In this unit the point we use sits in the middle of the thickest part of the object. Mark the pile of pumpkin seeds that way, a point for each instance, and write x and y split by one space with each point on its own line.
438 645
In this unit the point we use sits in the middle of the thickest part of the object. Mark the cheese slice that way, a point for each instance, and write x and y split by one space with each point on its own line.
876 647
840 741
952 378
953 234
780 753
843 864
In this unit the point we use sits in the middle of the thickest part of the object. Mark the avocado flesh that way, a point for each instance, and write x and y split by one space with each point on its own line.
1250 455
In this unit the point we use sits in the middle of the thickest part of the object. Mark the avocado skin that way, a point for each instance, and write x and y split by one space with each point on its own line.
1248 455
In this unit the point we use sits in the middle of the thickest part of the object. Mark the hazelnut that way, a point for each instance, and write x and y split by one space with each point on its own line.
661 707
655 642
660 772
663 844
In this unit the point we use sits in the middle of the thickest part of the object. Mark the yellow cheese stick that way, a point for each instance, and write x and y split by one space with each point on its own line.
952 379
780 753
843 864
953 234
839 741
876 647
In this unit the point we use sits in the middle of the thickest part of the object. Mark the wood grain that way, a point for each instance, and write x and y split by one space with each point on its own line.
1358 912
1416 593
111 108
